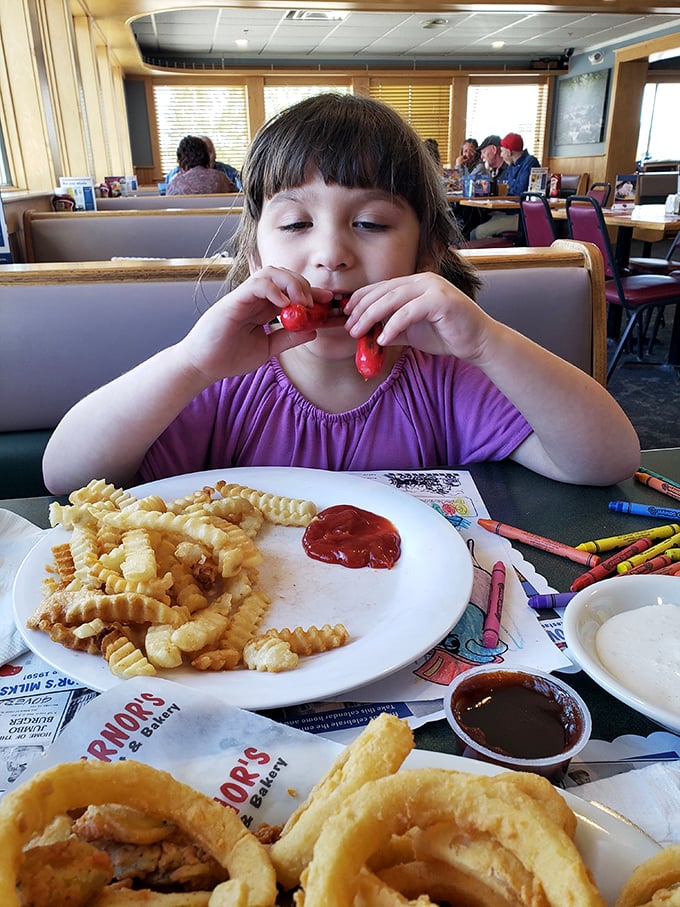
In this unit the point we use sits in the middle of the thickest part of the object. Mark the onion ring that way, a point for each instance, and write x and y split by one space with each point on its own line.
423 797
26 810
379 750
657 874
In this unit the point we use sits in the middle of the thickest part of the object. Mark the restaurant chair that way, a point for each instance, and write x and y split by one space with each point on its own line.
671 262
600 192
573 184
640 296
536 221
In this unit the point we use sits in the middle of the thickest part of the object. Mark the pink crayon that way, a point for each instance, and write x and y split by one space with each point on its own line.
492 621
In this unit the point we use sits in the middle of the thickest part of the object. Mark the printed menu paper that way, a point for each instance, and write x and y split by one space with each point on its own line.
257 767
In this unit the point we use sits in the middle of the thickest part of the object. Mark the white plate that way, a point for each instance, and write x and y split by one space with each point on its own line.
393 616
595 604
611 846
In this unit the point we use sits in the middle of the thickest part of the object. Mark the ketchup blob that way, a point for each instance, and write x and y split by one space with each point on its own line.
346 535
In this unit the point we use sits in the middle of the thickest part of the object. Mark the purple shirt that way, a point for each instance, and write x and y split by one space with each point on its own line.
430 412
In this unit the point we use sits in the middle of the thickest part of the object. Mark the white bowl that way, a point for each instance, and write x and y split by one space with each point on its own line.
591 607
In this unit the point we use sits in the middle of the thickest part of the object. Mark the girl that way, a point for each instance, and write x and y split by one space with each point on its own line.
343 202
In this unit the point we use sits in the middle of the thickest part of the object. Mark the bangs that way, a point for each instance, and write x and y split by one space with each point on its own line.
352 142
358 143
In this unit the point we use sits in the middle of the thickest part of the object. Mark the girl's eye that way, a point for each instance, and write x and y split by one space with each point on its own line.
296 225
370 226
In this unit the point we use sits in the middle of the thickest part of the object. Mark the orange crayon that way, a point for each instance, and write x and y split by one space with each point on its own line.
660 562
538 541
671 491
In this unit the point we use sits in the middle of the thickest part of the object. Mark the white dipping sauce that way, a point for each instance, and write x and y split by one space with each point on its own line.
641 649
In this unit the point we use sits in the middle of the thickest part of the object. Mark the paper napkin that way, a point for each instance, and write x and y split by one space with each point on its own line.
649 797
17 537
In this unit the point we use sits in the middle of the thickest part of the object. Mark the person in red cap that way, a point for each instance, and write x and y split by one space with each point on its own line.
520 163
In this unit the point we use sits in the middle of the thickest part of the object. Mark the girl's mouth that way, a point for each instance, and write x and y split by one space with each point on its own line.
338 303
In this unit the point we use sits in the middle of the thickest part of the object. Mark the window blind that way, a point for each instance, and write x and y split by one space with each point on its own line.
426 107
218 111
278 97
499 109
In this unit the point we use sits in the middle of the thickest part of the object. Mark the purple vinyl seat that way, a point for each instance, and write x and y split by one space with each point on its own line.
667 265
536 220
600 192
638 295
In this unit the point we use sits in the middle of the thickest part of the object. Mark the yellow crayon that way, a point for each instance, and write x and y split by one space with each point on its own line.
647 555
620 541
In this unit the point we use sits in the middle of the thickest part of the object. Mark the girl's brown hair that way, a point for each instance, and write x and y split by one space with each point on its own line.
353 141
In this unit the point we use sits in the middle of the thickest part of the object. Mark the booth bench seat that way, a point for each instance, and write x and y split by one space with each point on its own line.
104 235
67 329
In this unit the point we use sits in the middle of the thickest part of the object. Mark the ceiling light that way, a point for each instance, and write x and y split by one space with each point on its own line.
241 42
497 44
324 15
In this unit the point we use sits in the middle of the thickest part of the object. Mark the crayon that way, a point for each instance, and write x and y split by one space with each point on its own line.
609 565
620 541
538 541
492 621
659 548
657 475
656 563
659 513
671 491
672 569
550 600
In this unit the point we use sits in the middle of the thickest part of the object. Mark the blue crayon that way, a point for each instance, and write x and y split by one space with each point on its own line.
661 513
550 600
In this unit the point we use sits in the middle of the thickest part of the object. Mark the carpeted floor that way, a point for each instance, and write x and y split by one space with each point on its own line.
650 395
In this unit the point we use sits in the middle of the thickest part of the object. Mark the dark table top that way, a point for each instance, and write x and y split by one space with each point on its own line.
570 513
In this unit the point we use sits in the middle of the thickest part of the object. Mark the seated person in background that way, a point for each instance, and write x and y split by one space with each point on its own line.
519 163
432 148
469 162
490 153
227 169
496 167
196 176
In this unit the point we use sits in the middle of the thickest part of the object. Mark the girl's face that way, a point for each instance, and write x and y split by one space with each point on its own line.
338 238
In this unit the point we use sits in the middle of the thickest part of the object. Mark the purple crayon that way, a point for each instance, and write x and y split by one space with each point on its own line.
550 600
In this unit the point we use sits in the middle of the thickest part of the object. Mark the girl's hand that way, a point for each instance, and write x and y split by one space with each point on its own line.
230 338
424 311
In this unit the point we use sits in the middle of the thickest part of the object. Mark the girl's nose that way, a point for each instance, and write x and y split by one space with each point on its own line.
333 251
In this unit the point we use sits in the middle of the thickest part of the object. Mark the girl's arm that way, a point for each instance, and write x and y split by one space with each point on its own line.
580 433
107 434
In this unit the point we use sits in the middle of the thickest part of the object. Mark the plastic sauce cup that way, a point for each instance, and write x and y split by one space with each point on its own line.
518 718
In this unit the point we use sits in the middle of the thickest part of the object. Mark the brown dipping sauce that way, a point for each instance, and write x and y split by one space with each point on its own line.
346 535
517 715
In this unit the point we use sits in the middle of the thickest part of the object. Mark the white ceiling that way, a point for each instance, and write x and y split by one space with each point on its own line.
396 37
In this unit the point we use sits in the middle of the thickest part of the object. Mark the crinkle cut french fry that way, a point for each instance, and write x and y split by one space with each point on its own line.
312 640
139 564
276 508
124 658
